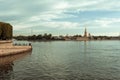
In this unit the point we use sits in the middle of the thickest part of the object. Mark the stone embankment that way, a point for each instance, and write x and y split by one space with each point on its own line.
9 49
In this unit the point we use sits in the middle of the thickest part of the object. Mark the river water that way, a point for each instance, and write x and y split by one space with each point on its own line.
64 60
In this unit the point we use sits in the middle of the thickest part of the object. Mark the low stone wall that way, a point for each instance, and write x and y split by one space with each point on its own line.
8 49
4 51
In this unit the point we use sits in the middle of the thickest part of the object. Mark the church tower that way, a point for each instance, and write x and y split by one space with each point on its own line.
85 33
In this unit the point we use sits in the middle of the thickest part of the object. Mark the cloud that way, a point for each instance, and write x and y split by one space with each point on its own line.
107 33
92 5
62 25
102 23
61 5
54 14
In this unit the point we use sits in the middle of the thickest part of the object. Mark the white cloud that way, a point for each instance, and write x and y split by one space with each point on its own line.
11 13
43 17
91 5
51 13
61 5
61 25
106 22
102 22
20 26
107 33
48 24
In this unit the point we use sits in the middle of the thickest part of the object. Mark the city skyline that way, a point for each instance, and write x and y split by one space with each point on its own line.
100 17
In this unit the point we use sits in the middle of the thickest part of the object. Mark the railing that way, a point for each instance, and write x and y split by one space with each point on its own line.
22 44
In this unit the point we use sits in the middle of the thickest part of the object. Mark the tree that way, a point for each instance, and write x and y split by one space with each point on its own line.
39 37
0 31
5 31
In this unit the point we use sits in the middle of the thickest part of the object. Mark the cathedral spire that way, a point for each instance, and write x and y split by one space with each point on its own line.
85 32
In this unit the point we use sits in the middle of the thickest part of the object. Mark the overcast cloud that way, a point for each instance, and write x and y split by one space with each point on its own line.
101 17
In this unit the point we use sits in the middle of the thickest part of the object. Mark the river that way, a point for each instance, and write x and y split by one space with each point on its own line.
64 60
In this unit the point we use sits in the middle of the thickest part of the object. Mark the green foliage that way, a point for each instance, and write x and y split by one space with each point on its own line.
35 37
5 31
0 30
47 36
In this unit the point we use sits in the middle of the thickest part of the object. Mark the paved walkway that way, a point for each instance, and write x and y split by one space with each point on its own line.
9 49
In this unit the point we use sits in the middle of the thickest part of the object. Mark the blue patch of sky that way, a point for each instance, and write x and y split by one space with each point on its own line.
89 15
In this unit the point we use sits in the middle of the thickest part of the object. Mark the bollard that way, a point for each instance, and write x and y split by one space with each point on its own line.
29 44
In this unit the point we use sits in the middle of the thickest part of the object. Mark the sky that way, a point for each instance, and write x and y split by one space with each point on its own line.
61 17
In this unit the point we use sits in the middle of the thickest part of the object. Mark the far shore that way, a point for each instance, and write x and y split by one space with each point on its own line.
49 37
68 40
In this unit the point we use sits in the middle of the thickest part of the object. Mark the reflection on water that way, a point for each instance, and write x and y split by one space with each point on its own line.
6 65
5 69
65 60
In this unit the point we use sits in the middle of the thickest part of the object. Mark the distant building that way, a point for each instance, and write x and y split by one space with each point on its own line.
85 37
85 33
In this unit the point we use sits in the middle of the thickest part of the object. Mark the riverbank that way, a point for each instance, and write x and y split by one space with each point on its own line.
49 37
8 49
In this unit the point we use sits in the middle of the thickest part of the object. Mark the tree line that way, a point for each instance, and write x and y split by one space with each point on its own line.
36 37
49 37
